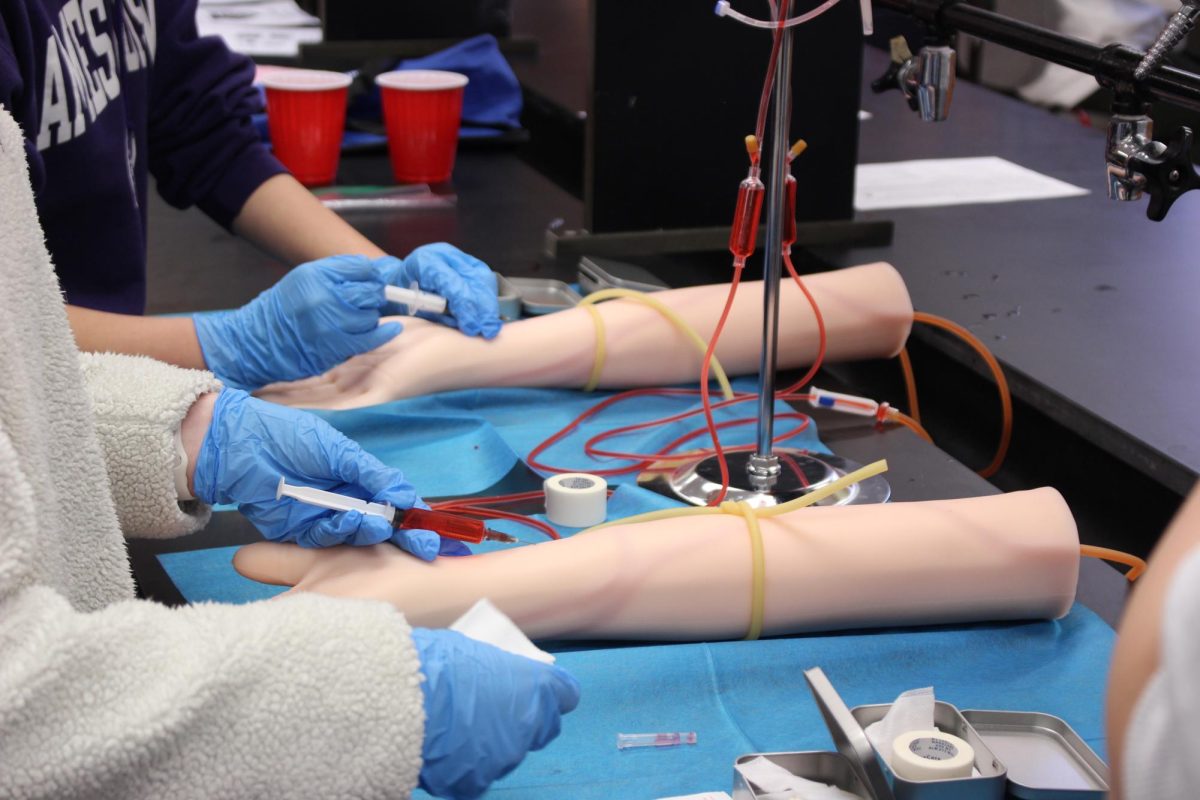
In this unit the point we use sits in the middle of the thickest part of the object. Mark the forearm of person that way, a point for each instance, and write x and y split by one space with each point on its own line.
1013 557
168 339
285 220
1139 640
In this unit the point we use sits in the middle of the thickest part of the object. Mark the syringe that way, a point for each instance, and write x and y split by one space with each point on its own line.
415 300
628 740
450 526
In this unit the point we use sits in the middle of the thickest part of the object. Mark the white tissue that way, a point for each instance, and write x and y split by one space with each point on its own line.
779 784
486 623
912 711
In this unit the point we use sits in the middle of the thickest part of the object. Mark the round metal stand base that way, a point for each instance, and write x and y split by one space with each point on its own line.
698 482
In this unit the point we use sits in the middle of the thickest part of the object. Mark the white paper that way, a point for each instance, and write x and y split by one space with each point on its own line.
281 13
262 41
486 623
701 796
952 182
776 783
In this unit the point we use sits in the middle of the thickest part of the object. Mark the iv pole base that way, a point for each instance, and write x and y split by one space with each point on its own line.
699 481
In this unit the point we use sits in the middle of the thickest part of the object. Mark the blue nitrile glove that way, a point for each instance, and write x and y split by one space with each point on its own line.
316 317
250 444
484 710
468 284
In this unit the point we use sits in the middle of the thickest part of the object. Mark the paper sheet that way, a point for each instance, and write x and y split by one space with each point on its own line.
911 711
261 40
272 13
486 623
263 28
701 796
779 784
952 182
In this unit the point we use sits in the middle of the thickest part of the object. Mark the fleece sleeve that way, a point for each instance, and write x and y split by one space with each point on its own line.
139 404
303 696
204 148
1162 741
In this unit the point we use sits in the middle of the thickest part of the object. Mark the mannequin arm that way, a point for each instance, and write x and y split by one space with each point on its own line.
866 309
1010 556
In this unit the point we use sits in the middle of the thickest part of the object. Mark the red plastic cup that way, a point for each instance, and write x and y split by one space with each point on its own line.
422 109
306 112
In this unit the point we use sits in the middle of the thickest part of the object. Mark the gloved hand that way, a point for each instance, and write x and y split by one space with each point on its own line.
484 710
250 444
316 317
468 284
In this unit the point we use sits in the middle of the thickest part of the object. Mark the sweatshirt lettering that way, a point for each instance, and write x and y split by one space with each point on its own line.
84 65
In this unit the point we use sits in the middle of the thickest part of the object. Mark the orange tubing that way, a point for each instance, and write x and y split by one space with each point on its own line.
997 374
1136 565
910 385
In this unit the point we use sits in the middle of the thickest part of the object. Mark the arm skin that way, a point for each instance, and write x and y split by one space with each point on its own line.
866 309
1139 640
287 222
1013 556
195 425
282 218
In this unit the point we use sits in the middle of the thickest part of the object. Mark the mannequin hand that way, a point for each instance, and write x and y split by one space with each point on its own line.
467 283
250 444
316 317
484 710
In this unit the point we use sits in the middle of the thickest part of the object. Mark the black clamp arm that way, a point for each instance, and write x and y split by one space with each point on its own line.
1168 176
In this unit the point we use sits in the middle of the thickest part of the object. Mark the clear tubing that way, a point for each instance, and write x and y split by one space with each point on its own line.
723 9
626 741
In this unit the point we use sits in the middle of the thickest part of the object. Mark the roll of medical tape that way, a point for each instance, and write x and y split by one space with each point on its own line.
931 756
576 499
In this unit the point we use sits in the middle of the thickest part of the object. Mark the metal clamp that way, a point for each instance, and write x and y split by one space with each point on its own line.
1138 165
926 80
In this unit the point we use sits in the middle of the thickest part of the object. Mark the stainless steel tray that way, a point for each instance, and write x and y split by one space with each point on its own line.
815 765
1045 757
604 273
544 296
508 298
988 785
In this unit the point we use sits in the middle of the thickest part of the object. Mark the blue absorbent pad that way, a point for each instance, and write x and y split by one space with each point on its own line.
457 443
751 697
739 697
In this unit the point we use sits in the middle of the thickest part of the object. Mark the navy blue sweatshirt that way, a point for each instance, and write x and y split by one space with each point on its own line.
107 91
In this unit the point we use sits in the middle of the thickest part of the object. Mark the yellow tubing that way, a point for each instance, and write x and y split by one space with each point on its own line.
672 317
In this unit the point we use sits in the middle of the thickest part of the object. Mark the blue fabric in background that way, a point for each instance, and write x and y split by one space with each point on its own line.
748 697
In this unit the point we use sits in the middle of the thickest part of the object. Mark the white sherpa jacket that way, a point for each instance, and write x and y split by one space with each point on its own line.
105 696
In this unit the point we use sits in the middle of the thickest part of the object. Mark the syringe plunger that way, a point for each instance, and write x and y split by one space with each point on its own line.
415 299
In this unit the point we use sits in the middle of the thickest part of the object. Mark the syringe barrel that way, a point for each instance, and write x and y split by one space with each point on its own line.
743 236
789 213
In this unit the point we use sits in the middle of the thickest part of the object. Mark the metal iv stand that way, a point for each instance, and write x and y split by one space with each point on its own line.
759 478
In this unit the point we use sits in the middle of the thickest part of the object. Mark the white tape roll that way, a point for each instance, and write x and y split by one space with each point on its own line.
576 499
931 756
